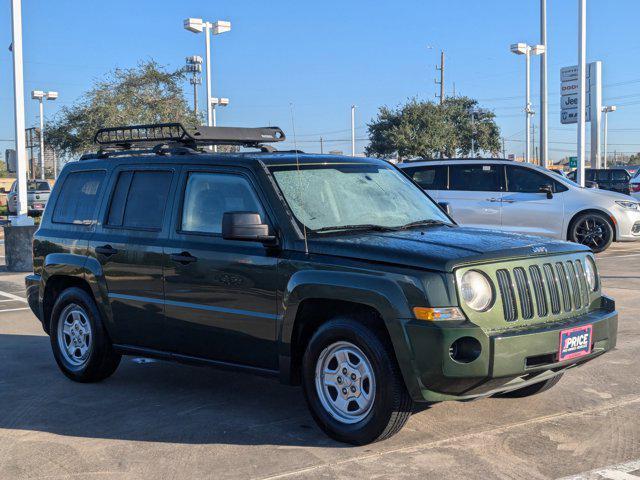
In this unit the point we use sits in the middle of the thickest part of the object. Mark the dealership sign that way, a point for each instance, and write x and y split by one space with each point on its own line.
569 93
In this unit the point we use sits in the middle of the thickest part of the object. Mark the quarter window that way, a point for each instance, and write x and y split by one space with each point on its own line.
429 178
475 178
79 197
209 195
139 199
525 180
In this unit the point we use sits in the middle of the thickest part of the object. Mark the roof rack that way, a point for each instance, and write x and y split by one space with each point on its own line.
128 137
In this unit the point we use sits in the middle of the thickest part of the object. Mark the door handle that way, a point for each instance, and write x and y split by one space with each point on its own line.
493 199
508 201
106 250
183 257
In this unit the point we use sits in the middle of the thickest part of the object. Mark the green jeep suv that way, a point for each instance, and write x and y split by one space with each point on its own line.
336 273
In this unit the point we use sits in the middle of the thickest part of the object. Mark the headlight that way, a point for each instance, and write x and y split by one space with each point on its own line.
628 205
590 273
476 290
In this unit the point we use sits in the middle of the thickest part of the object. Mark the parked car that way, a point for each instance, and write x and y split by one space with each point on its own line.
634 186
587 183
38 192
632 169
614 179
336 273
524 198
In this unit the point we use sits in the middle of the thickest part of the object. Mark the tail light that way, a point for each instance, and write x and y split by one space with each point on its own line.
635 187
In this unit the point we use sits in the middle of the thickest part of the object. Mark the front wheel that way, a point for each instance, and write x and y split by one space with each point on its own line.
593 230
352 383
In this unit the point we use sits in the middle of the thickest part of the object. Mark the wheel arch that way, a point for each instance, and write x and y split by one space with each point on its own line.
611 218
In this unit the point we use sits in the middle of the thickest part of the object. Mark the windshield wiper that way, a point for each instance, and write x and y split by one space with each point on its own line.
424 223
363 226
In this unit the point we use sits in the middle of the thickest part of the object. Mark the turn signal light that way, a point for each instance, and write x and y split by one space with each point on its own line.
443 313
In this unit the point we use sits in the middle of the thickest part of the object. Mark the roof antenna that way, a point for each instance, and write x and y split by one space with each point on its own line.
295 146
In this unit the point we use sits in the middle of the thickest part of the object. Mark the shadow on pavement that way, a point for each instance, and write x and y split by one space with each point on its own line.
149 401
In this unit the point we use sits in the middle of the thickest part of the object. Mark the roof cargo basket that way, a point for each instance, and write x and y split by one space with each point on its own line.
175 133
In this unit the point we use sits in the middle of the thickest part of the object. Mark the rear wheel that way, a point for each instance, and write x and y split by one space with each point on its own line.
79 340
593 230
531 389
352 383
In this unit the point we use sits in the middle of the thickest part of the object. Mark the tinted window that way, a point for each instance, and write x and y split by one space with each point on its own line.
476 178
591 175
619 175
209 195
525 180
139 199
37 185
429 178
78 197
600 175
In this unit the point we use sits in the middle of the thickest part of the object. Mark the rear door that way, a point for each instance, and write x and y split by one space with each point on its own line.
129 246
620 179
525 209
432 178
220 294
474 194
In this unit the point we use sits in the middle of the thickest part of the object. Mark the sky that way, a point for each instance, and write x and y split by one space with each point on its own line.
301 65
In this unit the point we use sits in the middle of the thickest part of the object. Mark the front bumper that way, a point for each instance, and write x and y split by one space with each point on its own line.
508 360
628 225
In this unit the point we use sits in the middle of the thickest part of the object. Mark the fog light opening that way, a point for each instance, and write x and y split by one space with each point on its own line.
465 350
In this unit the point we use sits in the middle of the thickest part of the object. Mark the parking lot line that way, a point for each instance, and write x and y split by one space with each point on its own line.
621 256
13 297
613 472
14 309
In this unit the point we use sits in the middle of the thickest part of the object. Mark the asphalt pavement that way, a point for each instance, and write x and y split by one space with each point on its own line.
157 420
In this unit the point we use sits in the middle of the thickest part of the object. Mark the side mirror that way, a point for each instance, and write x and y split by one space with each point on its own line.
246 226
445 207
546 189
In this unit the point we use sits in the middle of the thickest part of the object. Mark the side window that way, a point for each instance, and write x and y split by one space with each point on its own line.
475 178
79 197
429 178
601 175
208 196
139 199
526 180
619 175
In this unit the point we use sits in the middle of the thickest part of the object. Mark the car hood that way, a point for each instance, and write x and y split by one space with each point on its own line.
608 194
437 248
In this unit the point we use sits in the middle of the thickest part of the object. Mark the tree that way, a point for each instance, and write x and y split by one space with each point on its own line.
429 130
145 94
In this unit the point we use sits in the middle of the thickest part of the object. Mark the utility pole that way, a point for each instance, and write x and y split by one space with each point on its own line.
544 141
194 65
321 145
504 151
353 130
454 89
582 88
533 142
441 82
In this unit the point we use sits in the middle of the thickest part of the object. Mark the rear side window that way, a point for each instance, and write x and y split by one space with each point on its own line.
79 197
139 199
525 180
429 178
475 178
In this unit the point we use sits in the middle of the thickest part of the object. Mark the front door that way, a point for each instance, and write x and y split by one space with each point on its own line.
474 194
220 295
129 246
527 210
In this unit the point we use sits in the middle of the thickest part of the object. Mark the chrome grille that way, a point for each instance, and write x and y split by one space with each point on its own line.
506 293
524 292
538 289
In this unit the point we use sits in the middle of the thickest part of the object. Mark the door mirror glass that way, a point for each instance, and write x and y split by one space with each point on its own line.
246 226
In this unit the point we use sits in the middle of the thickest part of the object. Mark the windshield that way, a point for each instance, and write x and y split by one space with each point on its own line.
348 196
36 185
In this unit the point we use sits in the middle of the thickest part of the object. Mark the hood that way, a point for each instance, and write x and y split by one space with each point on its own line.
609 195
437 248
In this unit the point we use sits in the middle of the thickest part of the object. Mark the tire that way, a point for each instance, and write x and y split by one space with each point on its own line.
76 322
372 371
593 230
533 389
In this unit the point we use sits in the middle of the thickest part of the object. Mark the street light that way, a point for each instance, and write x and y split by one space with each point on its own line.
40 96
353 130
197 25
527 50
215 101
606 110
194 65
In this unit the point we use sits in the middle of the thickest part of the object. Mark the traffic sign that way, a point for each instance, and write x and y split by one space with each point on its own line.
573 162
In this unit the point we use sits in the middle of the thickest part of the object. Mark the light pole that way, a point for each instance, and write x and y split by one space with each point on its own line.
215 101
194 65
40 96
197 25
527 50
544 140
353 130
606 110
582 87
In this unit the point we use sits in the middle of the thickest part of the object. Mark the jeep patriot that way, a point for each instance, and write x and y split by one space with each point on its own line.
336 273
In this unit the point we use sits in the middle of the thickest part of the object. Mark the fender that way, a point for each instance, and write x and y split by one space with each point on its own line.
378 292
578 211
